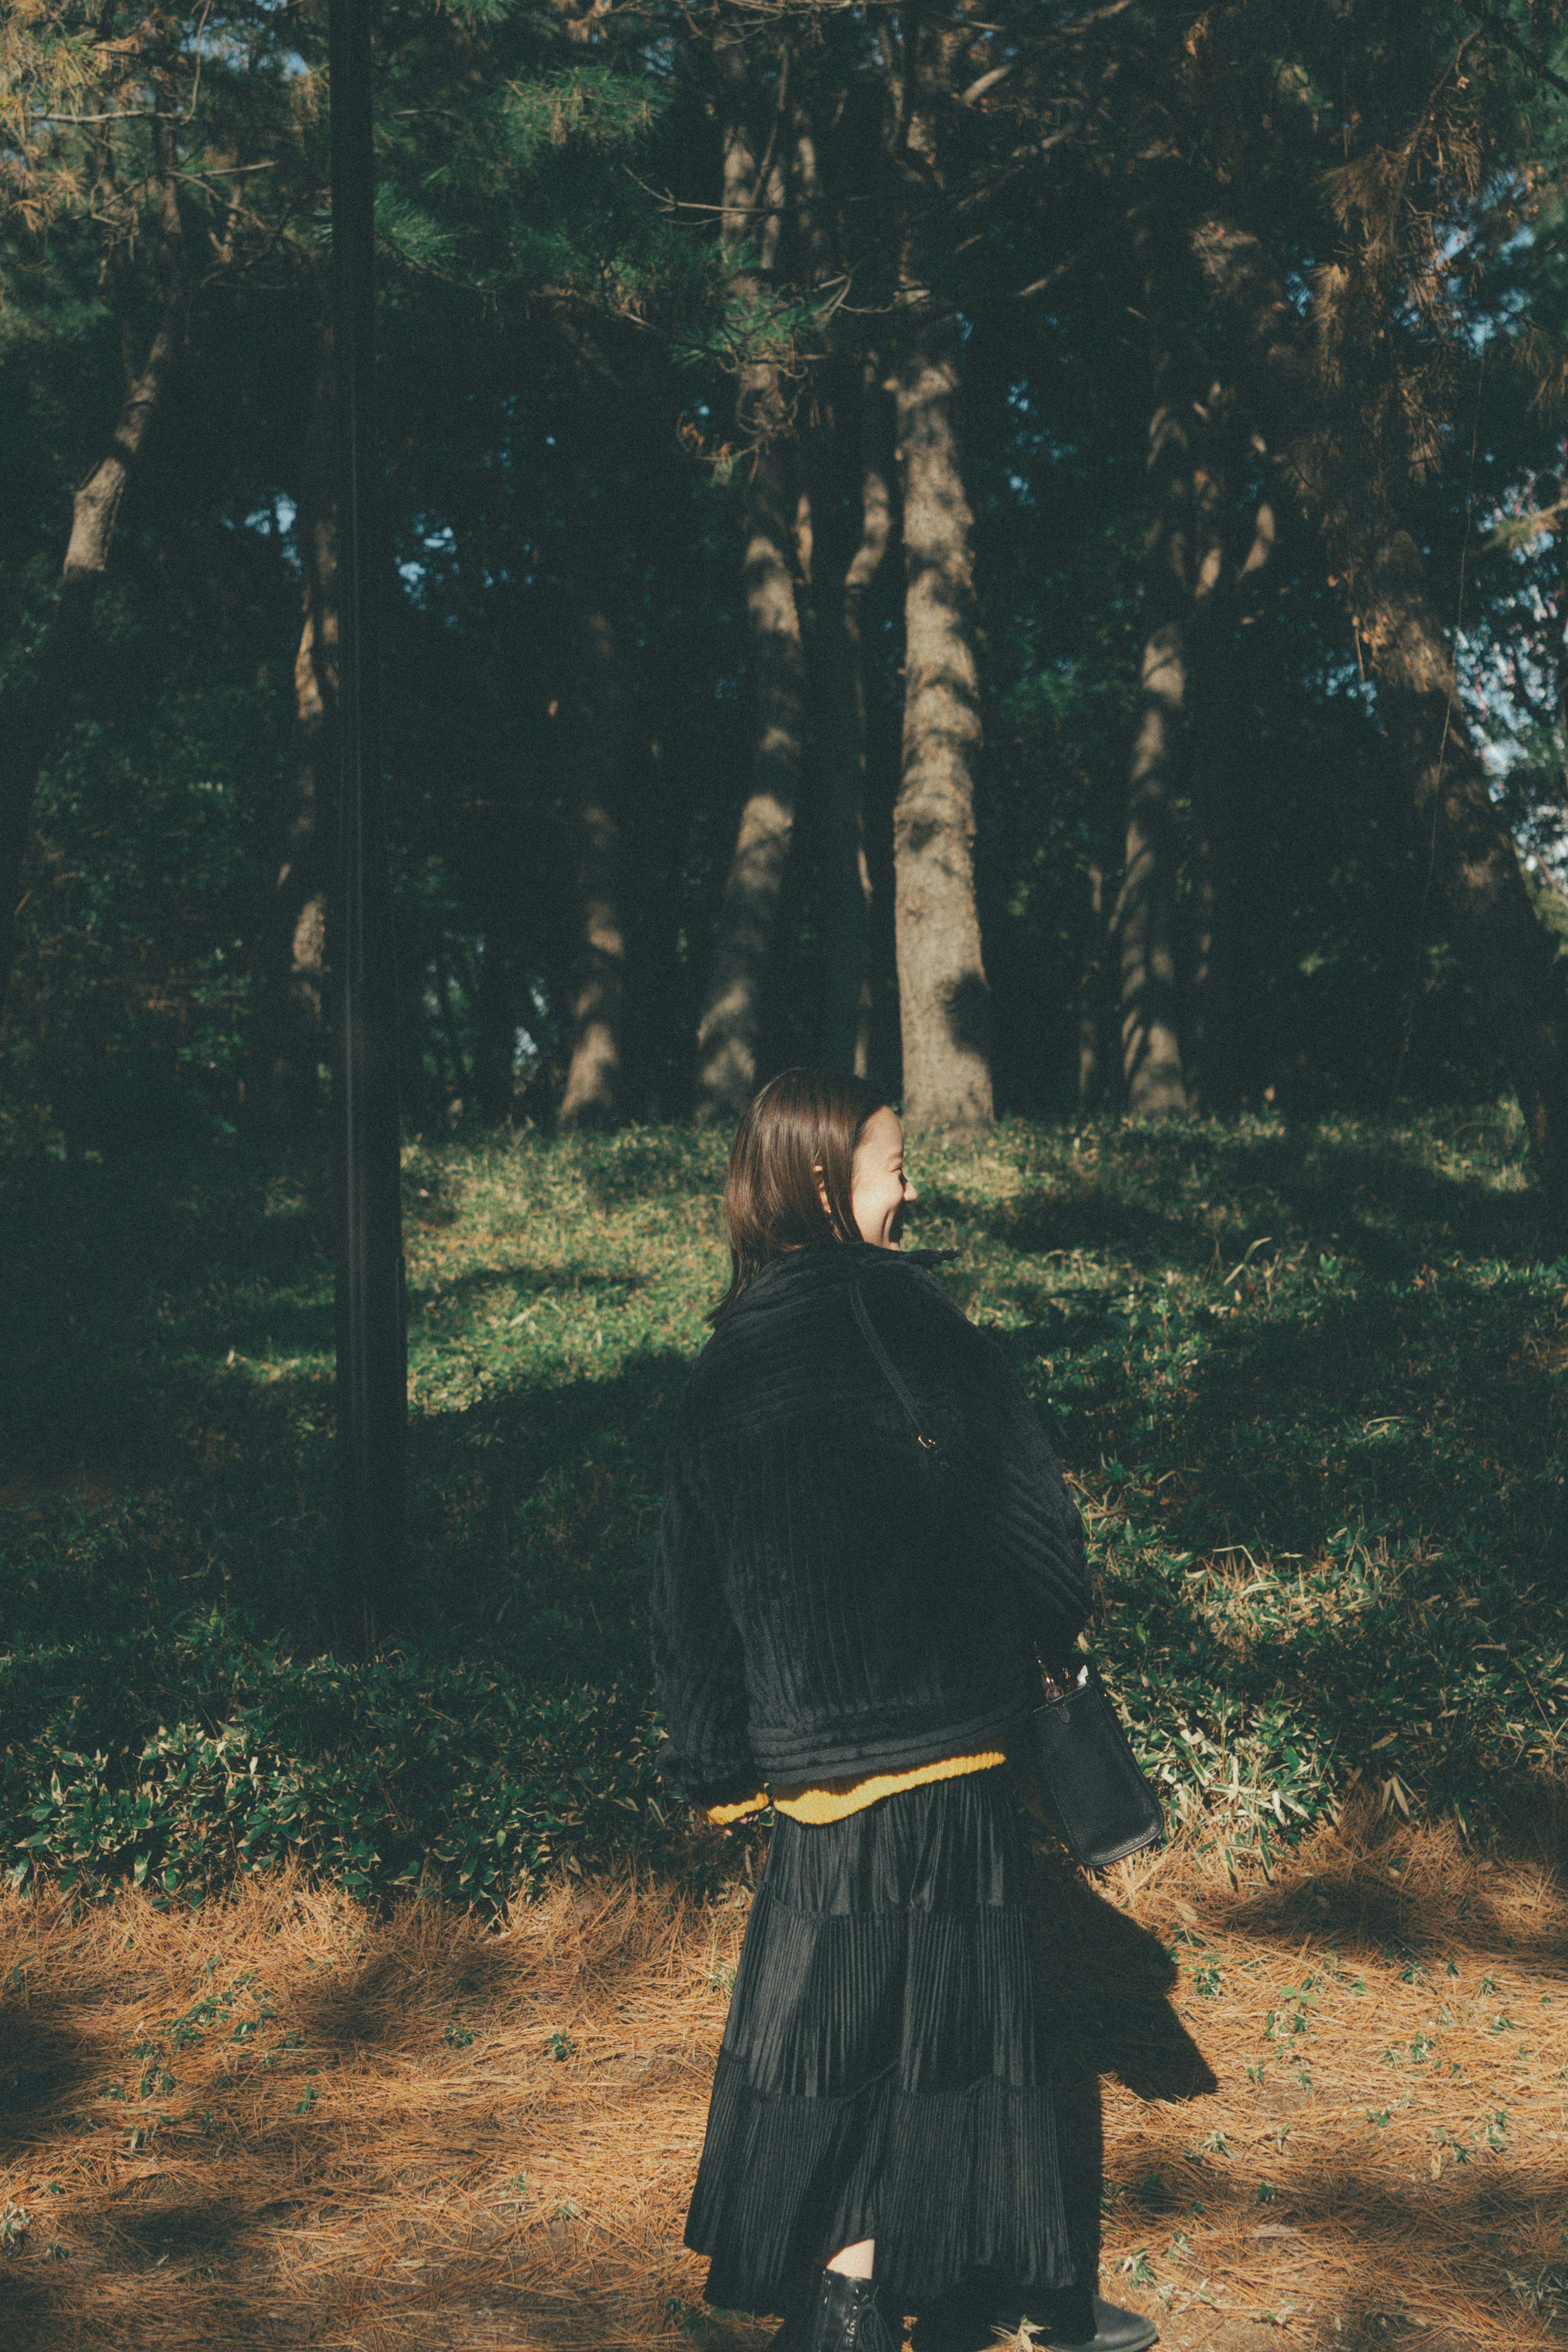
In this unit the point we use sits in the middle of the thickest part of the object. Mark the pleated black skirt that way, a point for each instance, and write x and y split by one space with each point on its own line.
883 2072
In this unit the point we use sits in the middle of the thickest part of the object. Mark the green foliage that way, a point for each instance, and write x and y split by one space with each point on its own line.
516 164
1310 1382
594 104
560 333
388 1776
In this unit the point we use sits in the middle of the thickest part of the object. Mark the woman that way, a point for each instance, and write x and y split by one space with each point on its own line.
857 1618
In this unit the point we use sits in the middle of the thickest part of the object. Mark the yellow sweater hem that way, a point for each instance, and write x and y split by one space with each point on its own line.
819 1801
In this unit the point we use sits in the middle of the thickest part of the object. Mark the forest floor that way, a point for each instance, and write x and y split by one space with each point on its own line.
1334 2109
1309 1383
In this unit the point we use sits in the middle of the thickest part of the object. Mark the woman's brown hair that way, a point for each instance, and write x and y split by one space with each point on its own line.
804 1124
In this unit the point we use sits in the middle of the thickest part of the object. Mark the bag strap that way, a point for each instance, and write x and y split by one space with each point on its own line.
887 1367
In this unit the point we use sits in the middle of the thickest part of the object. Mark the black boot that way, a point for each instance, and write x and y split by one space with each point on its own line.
1095 2327
1062 2320
842 2316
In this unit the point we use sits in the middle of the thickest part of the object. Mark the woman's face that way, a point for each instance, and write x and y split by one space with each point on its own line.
880 1191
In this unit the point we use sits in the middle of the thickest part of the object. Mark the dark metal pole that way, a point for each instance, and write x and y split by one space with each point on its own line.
371 1344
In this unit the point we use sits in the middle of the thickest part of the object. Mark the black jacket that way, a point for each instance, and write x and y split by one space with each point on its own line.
827 1599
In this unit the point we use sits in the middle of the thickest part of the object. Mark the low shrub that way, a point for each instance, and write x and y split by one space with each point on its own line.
388 1775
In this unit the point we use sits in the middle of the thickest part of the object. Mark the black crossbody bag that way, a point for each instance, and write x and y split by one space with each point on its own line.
1103 1806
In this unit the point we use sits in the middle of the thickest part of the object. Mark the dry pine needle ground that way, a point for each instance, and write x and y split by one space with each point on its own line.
1334 2109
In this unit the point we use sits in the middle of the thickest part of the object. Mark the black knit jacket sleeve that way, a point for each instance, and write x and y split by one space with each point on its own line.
698 1662
1024 1516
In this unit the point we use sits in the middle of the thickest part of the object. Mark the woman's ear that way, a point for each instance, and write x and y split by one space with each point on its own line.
822 1192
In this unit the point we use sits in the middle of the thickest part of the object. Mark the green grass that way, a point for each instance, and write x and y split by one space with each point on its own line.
1309 1382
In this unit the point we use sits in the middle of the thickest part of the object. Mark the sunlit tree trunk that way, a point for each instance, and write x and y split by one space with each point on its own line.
65 662
847 562
743 937
1145 918
944 999
944 1002
594 1077
726 1038
292 1041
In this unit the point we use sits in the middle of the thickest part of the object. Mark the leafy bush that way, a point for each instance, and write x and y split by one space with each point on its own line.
389 1775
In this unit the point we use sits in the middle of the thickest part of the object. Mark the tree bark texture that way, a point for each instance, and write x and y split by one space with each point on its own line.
65 659
1210 1059
1091 995
594 1077
1507 952
452 987
494 994
1223 588
747 914
293 1041
848 559
1211 1068
1144 920
944 1002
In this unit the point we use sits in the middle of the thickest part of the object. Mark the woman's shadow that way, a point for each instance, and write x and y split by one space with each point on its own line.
1106 1985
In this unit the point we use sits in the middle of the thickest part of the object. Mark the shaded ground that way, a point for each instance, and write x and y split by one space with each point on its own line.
1335 2109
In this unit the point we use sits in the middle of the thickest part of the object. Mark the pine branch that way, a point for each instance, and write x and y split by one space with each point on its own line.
1521 50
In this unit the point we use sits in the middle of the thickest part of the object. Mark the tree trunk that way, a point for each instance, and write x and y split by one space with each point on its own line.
65 661
1221 590
1210 1057
1507 952
726 1035
1214 1063
1091 982
944 1003
1212 1068
449 987
293 1040
1151 1045
594 1083
654 848
844 579
419 1059
496 1029
727 1038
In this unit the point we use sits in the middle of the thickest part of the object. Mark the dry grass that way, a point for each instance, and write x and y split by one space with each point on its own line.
284 2121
